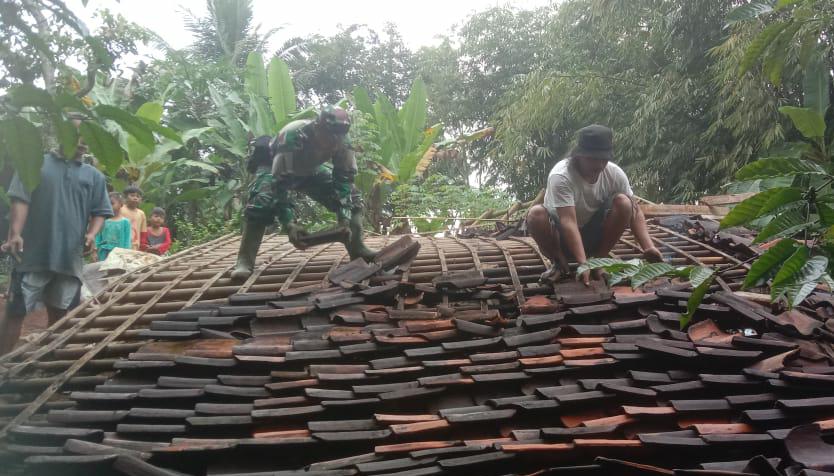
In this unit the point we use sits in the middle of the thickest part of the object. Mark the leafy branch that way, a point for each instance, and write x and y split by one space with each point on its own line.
639 272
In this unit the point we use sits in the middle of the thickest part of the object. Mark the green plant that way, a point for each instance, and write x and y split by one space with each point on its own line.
796 196
639 272
39 37
444 198
401 140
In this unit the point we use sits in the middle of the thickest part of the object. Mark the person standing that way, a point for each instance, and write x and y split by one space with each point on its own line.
49 229
158 238
138 222
116 230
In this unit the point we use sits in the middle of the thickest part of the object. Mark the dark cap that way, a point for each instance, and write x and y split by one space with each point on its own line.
594 141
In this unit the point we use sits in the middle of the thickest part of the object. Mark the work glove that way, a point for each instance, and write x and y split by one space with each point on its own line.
296 233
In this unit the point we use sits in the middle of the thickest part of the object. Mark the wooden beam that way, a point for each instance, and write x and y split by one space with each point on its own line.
669 210
732 199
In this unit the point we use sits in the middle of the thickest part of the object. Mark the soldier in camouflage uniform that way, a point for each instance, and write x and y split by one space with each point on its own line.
310 156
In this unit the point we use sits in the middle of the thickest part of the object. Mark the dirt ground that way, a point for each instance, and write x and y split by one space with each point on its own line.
34 322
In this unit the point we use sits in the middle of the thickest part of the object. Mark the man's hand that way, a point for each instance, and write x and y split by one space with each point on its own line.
295 234
89 241
585 277
653 255
14 246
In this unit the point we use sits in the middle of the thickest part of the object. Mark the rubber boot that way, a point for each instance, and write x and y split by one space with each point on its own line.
356 247
253 234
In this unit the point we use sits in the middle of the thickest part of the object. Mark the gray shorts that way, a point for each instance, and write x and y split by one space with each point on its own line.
53 289
591 233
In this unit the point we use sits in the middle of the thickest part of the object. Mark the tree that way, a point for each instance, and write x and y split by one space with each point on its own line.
39 38
331 67
635 66
400 140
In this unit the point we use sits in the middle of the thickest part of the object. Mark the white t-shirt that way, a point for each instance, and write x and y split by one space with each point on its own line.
566 188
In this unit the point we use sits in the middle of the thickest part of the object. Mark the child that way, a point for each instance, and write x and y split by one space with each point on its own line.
138 222
158 238
116 230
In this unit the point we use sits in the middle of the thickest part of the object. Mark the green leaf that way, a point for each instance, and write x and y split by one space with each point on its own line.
776 54
778 167
611 265
281 92
617 277
127 121
151 110
815 85
194 133
785 197
202 165
408 164
103 146
767 263
699 274
751 208
27 95
67 134
191 195
413 116
261 120
826 214
163 131
786 224
362 101
791 266
65 100
24 149
759 44
650 272
695 300
797 287
807 121
749 11
254 78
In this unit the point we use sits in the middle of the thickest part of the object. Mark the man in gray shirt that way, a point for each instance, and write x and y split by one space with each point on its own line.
48 231
588 204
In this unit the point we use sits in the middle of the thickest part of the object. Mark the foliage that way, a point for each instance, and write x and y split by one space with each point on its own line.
400 140
39 38
802 203
442 197
649 85
329 68
189 233
639 272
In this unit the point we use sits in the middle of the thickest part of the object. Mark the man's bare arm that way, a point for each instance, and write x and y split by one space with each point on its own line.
570 233
93 227
18 214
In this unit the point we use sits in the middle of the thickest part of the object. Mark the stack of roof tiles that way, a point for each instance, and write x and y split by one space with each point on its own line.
370 374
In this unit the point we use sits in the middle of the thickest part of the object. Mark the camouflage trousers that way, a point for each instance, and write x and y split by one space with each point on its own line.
269 197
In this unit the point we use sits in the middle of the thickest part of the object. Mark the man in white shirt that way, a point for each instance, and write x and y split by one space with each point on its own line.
587 206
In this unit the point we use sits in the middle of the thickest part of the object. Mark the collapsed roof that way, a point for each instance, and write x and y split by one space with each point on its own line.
444 357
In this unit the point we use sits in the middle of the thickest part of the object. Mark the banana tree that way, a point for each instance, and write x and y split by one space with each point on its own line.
267 102
401 139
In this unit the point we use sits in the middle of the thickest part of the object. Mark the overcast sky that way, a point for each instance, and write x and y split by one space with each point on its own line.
419 21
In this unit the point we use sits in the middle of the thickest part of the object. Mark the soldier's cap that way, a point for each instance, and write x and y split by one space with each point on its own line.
335 118
594 141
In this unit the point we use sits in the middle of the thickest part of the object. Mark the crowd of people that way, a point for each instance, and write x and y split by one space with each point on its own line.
129 228
588 204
